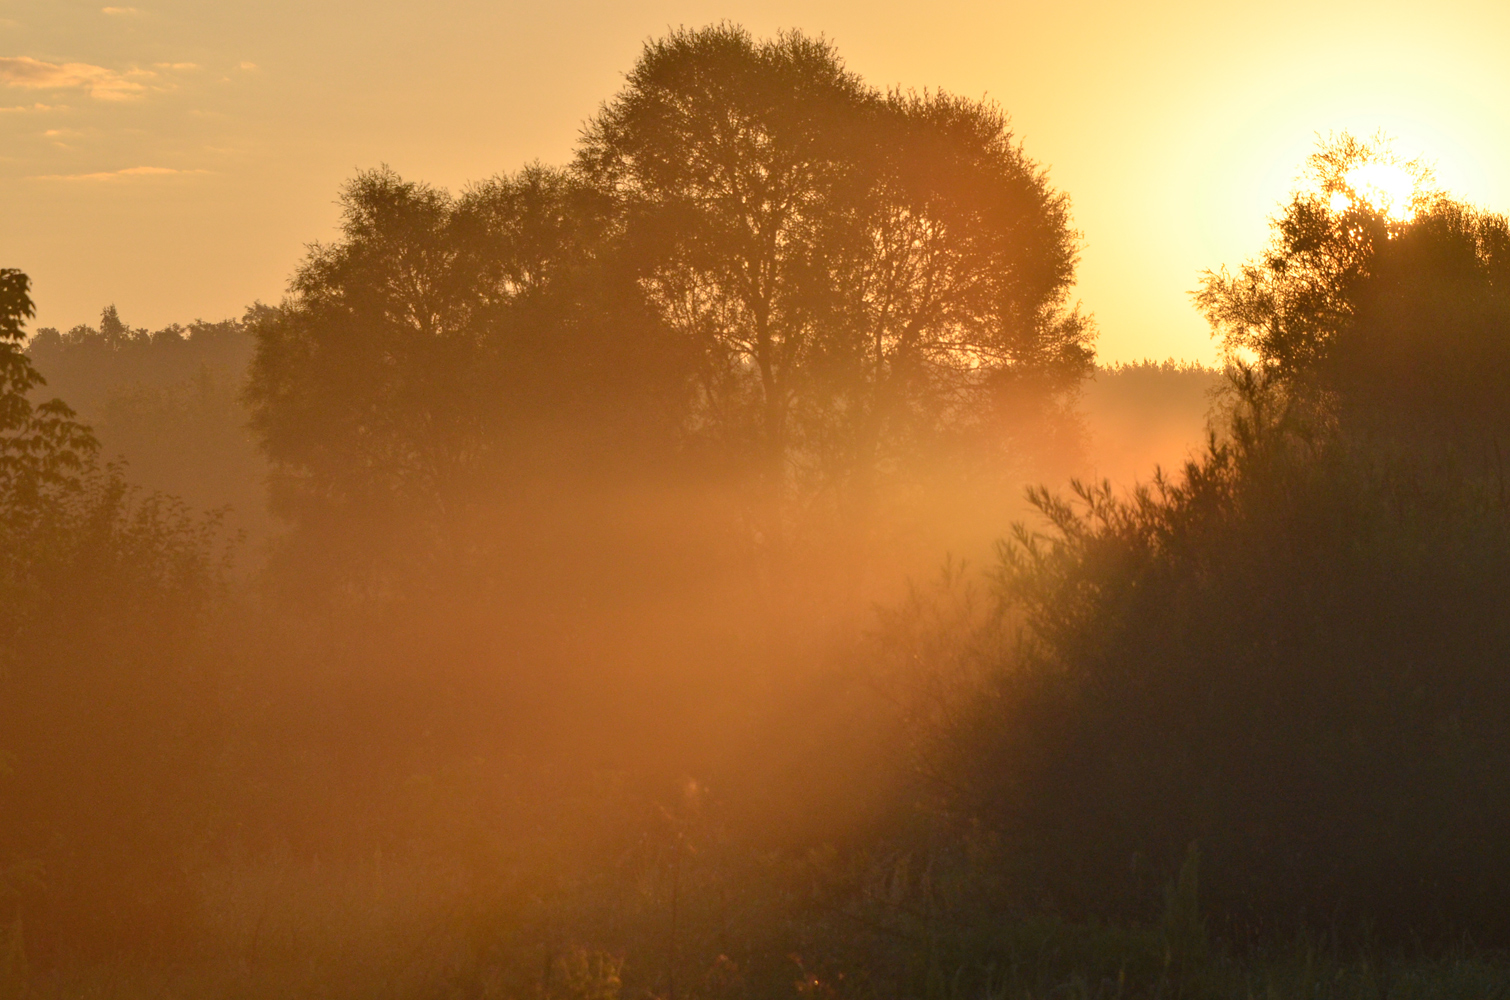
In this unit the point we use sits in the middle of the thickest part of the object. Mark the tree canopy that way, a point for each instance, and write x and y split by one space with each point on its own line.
755 262
41 446
1398 314
857 271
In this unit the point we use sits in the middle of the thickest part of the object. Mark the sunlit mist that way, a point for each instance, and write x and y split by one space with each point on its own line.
754 501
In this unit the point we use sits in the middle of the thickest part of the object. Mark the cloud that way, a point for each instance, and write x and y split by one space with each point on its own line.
117 175
119 11
100 83
248 65
27 109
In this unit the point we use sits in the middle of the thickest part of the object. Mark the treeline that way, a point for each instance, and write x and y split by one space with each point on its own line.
564 681
168 403
757 271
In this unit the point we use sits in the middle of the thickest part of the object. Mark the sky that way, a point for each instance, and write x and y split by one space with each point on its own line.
175 158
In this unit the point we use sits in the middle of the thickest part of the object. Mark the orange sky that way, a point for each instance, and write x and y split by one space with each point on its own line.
174 157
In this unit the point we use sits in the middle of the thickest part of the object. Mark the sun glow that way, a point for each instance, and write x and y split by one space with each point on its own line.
1387 188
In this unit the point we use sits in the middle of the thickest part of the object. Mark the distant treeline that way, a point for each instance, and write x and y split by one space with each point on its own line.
169 403
564 678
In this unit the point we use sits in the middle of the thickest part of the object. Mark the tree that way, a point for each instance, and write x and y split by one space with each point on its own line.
41 447
1388 309
168 402
727 158
1291 650
853 268
446 350
1287 307
756 262
950 290
108 697
359 388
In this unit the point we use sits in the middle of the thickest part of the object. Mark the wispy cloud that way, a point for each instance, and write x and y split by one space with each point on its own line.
99 82
27 109
119 11
120 175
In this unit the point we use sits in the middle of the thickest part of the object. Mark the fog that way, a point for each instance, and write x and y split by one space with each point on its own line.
607 668
720 566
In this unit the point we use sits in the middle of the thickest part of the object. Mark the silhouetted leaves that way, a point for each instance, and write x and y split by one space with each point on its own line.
862 274
104 700
757 269
41 447
1394 318
1292 651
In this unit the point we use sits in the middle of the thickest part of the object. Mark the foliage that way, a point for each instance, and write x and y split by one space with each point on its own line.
88 364
1291 652
858 272
168 404
447 350
1394 318
104 604
42 448
758 271
1287 306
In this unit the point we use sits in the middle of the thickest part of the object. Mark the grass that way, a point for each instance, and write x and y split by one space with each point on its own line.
379 930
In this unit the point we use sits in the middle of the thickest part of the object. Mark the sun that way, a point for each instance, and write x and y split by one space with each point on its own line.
1387 188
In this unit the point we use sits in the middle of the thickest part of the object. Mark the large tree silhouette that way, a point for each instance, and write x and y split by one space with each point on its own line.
949 305
445 350
731 159
855 269
756 262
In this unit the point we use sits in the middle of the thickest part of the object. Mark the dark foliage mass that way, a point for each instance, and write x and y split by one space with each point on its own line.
564 682
857 272
758 269
1292 655
448 353
1399 320
1293 651
104 599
